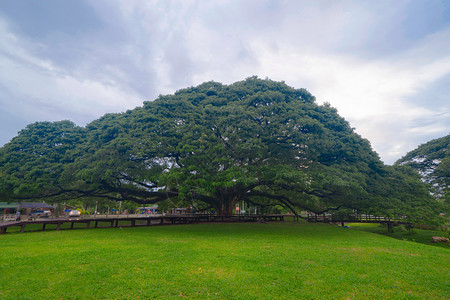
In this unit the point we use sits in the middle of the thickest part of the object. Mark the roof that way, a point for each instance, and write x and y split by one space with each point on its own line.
35 205
8 205
148 207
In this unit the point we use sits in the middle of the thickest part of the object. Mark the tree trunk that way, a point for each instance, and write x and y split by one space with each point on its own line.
227 199
226 207
390 227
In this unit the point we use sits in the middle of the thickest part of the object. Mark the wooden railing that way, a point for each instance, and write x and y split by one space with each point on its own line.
96 221
354 218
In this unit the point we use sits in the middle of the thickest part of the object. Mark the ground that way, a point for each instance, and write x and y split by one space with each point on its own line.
223 261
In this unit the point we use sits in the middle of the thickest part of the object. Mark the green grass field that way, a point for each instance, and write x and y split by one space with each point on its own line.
220 261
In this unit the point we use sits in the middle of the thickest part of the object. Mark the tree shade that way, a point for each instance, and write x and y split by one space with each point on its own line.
211 146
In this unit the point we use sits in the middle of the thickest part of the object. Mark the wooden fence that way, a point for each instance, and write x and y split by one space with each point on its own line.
99 221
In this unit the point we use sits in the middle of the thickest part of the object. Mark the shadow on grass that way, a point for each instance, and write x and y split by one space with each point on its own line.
415 235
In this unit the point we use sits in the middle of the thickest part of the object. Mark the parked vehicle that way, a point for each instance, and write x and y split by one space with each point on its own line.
40 214
74 213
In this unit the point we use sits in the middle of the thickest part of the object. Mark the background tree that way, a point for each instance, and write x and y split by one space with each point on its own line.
432 161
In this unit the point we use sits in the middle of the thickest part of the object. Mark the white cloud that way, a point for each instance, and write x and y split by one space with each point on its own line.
38 90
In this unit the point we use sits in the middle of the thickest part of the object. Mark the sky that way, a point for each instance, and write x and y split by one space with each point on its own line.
385 65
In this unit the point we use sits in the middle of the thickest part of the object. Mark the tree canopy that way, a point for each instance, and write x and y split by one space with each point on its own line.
210 146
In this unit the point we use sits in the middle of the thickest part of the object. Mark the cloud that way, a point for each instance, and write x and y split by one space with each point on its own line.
35 89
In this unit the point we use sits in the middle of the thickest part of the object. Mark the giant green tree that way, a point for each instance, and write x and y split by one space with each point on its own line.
213 145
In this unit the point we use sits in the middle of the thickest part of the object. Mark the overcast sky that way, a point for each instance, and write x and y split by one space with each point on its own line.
385 65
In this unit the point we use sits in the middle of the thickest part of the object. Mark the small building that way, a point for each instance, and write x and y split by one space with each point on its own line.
28 207
8 208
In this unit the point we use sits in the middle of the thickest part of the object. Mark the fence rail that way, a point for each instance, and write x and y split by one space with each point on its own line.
355 218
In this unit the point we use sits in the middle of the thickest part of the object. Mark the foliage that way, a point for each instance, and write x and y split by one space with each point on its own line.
432 161
211 146
34 160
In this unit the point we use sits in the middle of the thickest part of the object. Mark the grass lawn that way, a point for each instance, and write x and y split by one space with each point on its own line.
222 261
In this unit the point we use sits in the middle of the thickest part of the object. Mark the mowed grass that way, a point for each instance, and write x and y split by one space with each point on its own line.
220 261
